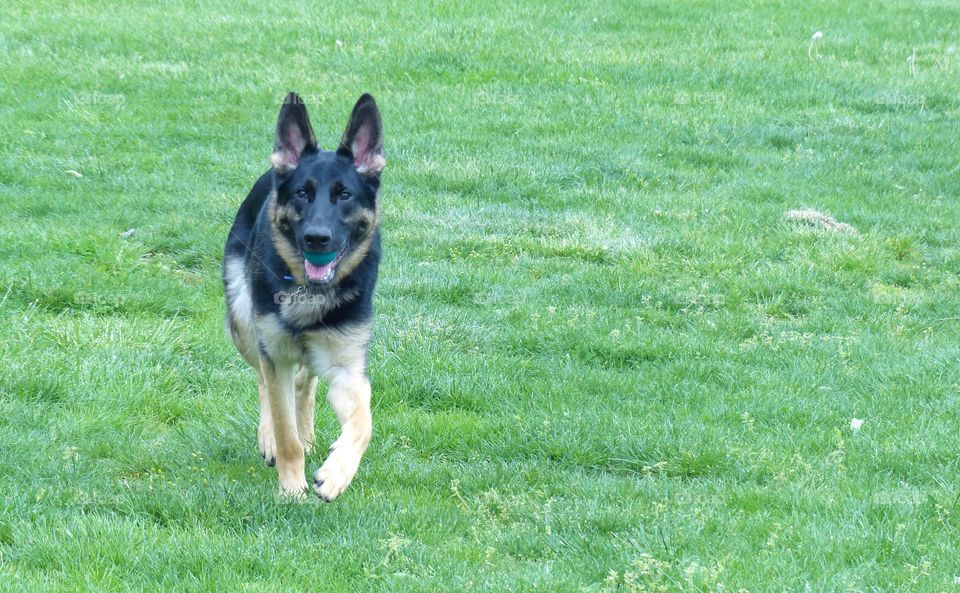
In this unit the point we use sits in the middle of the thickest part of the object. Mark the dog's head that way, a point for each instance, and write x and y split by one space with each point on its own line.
325 210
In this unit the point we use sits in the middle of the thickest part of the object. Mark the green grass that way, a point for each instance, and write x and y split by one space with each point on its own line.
603 361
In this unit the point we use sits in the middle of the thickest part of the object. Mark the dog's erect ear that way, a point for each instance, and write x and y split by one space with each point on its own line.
363 139
294 135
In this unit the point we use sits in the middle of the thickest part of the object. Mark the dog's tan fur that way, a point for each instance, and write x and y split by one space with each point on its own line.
340 357
287 376
282 406
281 217
372 219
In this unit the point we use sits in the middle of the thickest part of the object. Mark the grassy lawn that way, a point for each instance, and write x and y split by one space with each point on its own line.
603 359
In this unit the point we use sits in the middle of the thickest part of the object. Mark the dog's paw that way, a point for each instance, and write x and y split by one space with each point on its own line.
337 472
267 443
293 488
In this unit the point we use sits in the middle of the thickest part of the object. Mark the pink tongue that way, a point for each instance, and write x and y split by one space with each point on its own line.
315 272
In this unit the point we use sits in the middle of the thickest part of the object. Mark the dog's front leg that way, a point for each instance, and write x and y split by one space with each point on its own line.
349 395
265 438
306 386
278 379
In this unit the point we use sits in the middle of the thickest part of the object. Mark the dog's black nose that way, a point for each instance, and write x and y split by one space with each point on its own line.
317 238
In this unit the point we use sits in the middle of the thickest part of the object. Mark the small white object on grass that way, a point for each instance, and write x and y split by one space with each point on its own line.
74 173
813 44
855 424
813 218
946 58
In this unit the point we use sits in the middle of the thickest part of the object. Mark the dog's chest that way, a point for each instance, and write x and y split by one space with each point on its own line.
323 351
299 308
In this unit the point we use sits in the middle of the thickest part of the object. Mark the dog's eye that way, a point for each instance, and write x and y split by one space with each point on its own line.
302 194
344 196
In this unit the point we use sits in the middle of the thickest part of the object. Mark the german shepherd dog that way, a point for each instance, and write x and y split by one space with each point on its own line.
299 270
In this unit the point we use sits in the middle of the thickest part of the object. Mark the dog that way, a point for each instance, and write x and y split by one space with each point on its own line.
299 270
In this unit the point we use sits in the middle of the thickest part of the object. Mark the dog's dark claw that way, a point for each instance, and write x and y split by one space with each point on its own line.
316 486
271 462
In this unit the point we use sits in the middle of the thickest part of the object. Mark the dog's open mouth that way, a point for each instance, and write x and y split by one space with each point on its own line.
320 267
